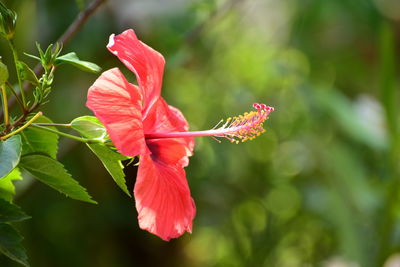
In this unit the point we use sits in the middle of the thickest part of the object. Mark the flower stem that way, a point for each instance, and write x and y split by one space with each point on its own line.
15 55
70 136
5 105
54 124
23 127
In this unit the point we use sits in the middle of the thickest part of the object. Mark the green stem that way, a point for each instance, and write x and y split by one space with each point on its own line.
15 55
5 105
80 139
23 127
15 95
54 124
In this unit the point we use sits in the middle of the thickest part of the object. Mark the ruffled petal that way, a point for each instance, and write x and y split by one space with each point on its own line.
144 61
117 104
165 207
163 118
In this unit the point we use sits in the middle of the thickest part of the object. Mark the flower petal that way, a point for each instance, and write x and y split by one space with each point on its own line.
165 207
163 118
117 104
170 151
144 61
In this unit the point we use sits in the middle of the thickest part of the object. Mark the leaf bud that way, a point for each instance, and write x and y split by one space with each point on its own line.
8 20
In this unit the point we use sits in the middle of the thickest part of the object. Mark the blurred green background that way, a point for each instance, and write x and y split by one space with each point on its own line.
320 188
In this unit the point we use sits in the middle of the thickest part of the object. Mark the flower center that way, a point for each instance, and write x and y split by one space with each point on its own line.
241 128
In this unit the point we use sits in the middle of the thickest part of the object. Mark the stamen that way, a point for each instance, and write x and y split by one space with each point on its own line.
221 121
247 126
216 139
237 129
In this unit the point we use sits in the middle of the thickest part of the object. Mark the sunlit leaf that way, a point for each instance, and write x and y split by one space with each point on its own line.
89 127
10 152
38 141
52 173
7 188
10 244
72 58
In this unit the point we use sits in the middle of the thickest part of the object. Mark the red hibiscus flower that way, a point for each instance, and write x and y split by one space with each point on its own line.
140 122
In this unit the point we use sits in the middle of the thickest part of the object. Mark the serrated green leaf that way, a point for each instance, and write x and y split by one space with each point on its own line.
52 173
72 58
10 153
89 127
7 188
39 141
26 73
11 213
112 162
10 244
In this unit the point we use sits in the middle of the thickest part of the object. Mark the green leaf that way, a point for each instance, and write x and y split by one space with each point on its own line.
10 244
89 127
72 58
10 153
27 73
112 162
3 73
38 141
7 188
52 173
40 50
11 213
8 20
31 56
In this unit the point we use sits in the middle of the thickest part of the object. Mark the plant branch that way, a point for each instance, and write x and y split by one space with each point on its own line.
71 31
54 124
70 136
80 20
23 127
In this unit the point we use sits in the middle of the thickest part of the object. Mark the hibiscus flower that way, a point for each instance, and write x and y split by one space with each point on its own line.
140 122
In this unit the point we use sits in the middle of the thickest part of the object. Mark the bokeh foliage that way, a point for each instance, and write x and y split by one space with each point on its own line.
320 187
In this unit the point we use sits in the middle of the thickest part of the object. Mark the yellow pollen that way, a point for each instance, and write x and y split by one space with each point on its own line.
247 126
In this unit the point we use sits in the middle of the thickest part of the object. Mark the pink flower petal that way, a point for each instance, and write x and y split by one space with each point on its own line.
165 207
117 104
163 118
170 151
144 61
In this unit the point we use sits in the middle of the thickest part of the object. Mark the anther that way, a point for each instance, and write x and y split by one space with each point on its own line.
247 126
